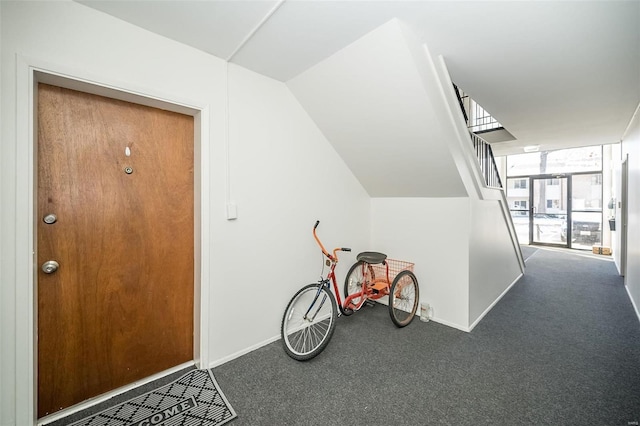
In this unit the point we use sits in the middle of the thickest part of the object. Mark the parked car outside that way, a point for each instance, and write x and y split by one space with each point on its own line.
586 228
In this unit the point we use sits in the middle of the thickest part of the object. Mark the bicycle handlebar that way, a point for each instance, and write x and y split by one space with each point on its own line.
324 250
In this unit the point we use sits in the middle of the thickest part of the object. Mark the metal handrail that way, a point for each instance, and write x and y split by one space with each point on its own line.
487 161
482 148
461 103
476 117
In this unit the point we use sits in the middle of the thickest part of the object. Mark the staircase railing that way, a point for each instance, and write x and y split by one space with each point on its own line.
477 118
481 147
461 103
487 161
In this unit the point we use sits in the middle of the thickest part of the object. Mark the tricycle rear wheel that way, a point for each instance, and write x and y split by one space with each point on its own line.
403 298
358 276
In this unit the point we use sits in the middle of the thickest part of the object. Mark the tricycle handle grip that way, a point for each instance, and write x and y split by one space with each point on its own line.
345 249
316 225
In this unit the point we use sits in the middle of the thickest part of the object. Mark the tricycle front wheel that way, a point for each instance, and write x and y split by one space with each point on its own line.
403 298
309 322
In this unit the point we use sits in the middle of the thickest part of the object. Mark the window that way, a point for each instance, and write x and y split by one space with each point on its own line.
574 160
587 192
558 194
520 184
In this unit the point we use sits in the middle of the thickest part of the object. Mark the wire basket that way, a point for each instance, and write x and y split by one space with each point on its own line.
395 267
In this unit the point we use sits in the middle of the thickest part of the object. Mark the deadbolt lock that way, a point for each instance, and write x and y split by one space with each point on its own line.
50 266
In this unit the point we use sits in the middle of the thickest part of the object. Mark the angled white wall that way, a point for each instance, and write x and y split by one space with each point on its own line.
493 263
370 102
284 177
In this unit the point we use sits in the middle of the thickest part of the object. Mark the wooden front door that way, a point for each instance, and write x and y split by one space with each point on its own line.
115 211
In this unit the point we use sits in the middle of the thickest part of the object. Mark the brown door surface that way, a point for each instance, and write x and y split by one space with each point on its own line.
119 179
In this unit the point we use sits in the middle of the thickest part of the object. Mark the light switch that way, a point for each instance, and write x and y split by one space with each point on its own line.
232 211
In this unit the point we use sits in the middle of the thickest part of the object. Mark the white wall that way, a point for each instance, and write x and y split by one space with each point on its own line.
616 183
284 176
282 172
493 265
6 360
631 147
434 234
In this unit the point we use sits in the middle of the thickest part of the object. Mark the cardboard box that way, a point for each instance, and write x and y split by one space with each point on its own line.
602 250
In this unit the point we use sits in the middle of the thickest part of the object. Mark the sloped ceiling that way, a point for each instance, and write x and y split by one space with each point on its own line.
372 102
557 74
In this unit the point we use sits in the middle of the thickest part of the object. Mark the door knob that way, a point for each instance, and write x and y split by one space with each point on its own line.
50 219
50 266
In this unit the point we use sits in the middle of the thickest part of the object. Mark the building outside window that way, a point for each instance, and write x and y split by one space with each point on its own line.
521 183
520 204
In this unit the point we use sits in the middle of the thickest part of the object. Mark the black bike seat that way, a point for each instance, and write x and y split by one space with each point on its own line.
371 257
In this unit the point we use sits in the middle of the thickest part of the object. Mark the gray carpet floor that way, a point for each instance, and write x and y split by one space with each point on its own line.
527 251
561 348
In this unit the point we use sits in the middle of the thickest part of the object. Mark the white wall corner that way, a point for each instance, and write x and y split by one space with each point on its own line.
434 234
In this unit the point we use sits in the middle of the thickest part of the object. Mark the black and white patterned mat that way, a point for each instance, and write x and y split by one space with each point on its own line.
192 400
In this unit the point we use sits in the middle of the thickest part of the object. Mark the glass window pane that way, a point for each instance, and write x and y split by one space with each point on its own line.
586 229
586 206
518 199
517 191
521 223
587 192
523 164
549 210
572 160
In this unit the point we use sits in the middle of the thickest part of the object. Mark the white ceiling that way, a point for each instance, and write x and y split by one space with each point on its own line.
556 73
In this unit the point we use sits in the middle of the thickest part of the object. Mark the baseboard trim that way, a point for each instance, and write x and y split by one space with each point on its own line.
245 351
486 311
448 324
633 303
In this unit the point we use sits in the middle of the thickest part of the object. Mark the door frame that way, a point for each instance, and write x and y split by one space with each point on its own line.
30 72
624 212
532 179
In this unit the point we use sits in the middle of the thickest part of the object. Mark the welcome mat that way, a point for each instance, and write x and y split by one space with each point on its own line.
192 400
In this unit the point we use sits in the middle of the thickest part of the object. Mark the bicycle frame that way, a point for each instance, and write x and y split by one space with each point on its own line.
375 290
331 276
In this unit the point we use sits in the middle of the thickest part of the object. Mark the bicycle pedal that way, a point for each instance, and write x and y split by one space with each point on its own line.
370 303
